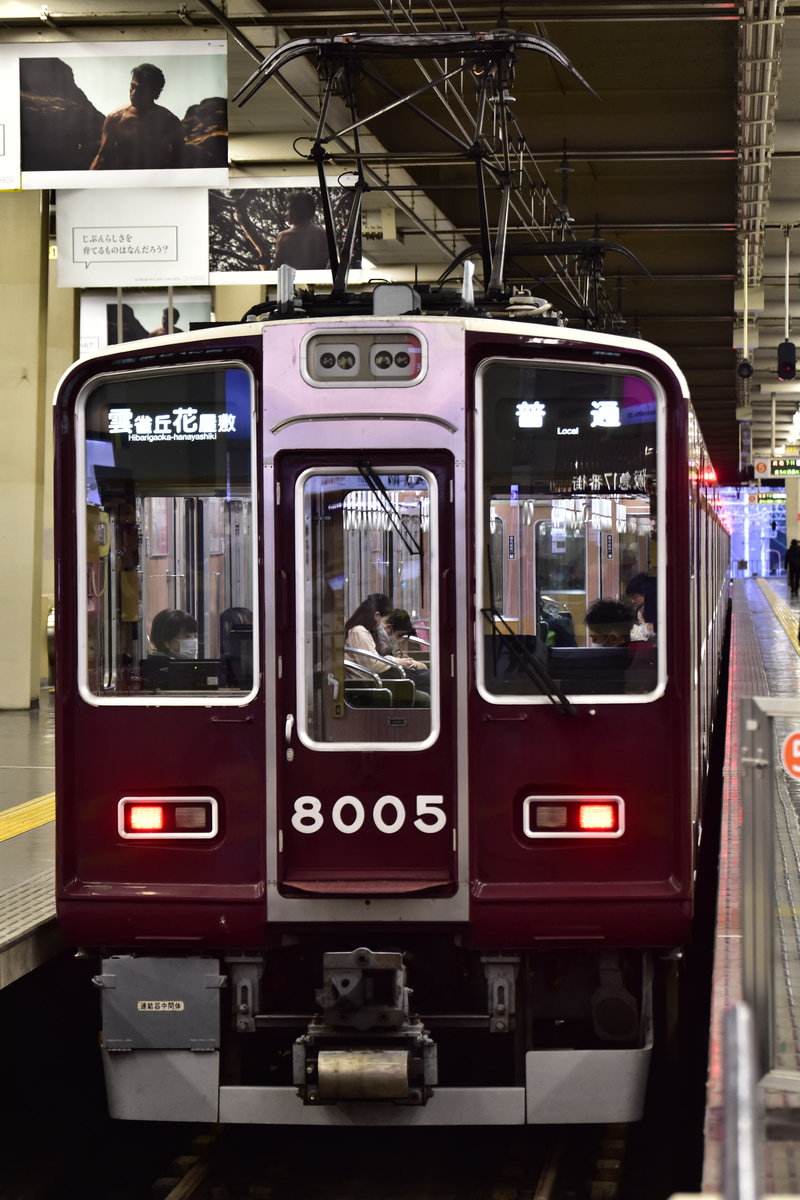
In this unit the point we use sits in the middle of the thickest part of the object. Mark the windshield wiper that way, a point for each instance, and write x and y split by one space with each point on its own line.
530 664
375 485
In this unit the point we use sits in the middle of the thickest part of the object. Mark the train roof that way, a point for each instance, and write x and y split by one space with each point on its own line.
513 321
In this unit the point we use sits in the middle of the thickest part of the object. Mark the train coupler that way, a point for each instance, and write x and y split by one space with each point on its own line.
364 1044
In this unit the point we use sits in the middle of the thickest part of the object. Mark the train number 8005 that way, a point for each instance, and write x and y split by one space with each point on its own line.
348 814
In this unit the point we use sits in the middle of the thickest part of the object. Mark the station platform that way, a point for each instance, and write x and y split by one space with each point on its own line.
764 662
28 932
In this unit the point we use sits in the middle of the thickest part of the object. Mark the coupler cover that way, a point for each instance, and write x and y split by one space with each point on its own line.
160 1003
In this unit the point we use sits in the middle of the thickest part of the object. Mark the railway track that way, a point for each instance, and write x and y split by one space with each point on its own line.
543 1163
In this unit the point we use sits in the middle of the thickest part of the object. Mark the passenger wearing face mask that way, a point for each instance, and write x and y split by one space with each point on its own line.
609 623
174 634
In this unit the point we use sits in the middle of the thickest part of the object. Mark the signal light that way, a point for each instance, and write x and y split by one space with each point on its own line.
787 360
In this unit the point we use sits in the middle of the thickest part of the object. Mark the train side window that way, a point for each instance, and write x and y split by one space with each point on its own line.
166 526
570 513
361 536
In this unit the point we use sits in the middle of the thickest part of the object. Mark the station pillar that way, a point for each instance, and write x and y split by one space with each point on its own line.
23 411
232 301
792 508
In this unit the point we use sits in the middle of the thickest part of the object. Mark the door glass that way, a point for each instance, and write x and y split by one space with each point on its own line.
570 529
367 671
166 498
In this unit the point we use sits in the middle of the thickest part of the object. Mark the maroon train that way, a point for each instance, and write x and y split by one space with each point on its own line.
318 891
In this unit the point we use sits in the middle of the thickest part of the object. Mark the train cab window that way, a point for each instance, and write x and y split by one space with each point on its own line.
570 514
367 666
166 537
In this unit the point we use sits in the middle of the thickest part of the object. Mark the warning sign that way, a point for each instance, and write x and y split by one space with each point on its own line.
790 755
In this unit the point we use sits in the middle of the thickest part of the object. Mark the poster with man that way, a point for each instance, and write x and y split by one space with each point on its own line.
107 318
259 225
99 115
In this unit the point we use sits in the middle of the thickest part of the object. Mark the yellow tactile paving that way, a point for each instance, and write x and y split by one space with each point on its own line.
27 816
787 615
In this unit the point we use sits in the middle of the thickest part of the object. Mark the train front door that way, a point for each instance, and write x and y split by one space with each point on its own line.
365 778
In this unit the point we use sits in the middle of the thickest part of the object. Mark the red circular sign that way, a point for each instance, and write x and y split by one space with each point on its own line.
761 468
790 755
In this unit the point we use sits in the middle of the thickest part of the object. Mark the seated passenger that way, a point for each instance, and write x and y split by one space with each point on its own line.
381 604
364 633
174 633
404 642
642 594
364 646
399 628
609 623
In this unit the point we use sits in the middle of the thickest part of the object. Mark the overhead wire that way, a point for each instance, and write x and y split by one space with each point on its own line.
569 272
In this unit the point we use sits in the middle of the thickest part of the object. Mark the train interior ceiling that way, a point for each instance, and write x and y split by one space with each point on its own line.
633 178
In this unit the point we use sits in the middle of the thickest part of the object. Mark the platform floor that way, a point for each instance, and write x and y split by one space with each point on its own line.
28 933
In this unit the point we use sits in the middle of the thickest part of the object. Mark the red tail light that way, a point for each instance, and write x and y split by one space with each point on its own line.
598 816
182 817
595 817
145 818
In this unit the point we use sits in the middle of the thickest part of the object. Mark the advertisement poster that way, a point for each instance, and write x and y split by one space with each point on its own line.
122 115
144 315
261 224
9 119
135 239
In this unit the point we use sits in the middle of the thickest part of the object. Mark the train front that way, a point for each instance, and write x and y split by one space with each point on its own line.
389 830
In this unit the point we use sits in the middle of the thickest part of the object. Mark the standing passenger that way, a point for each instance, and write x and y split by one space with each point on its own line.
791 562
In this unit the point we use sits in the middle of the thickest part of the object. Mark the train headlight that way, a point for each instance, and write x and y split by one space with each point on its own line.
391 357
335 360
573 817
167 817
400 360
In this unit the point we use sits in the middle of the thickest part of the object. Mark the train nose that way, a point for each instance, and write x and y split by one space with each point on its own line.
364 1044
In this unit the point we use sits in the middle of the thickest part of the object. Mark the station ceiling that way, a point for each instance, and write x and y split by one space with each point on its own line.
688 153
